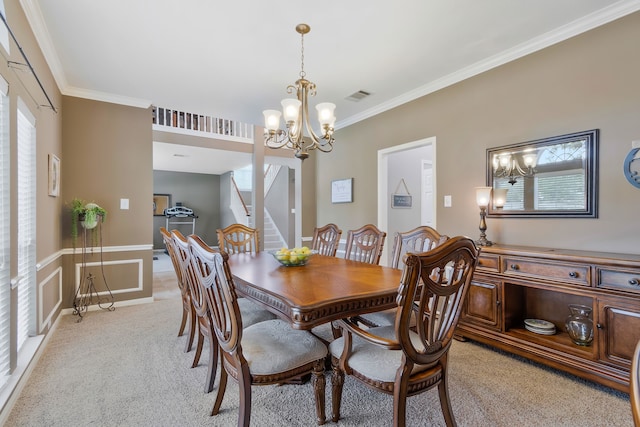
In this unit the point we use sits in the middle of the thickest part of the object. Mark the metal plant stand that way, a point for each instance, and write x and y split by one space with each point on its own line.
86 291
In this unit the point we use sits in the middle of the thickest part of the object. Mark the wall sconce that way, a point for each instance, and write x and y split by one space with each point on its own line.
499 197
483 197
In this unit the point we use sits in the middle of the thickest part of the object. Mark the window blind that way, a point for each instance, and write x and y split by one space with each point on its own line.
5 287
26 224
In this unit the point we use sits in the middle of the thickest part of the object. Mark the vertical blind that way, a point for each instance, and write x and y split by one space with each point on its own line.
26 223
5 290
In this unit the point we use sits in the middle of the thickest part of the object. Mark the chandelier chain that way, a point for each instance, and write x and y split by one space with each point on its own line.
302 72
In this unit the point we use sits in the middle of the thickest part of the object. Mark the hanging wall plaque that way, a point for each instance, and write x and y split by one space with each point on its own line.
400 200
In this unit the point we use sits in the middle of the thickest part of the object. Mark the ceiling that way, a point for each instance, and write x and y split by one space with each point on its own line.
233 59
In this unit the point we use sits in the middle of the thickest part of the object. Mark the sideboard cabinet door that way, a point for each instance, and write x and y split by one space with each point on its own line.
483 303
618 332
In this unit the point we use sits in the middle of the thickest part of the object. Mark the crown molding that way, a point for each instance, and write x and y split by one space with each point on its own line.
106 97
33 13
579 26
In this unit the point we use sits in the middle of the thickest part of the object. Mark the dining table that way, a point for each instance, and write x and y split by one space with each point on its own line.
324 289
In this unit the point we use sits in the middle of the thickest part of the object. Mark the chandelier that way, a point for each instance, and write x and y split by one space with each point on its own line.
296 116
506 165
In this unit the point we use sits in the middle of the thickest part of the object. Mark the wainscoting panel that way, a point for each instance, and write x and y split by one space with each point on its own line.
50 289
121 276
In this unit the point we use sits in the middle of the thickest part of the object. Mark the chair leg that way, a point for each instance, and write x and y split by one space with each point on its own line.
183 323
222 387
213 365
400 402
192 331
445 403
319 383
244 388
337 381
196 357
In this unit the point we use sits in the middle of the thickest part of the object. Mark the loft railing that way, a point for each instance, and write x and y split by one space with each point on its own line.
168 120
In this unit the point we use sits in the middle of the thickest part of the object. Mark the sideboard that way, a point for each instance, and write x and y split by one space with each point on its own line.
514 283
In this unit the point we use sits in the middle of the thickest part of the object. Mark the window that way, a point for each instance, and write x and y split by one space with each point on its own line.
26 282
5 293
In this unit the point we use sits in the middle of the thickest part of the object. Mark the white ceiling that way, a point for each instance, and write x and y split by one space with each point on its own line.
233 59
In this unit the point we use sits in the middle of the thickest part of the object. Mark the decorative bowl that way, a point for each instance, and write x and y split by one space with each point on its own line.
293 257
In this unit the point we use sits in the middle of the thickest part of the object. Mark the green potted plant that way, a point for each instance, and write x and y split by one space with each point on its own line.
88 215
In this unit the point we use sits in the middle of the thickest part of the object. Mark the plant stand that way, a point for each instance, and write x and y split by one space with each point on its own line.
84 296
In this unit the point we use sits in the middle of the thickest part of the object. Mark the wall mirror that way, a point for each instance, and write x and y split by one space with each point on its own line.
550 177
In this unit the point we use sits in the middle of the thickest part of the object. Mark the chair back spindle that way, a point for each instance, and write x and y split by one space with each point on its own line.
326 239
238 238
365 244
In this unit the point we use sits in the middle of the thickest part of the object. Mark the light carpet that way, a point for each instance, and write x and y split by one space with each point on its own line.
128 368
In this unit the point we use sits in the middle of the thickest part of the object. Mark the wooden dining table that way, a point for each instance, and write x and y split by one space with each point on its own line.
325 289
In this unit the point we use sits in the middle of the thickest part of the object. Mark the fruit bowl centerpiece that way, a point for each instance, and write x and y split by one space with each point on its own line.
293 257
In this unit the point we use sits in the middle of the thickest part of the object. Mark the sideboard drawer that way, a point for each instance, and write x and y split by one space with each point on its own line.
488 262
577 274
620 280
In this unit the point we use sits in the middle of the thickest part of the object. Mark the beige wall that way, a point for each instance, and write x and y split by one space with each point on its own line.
108 156
590 81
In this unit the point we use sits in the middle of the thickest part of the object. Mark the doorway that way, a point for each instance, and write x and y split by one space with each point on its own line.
409 170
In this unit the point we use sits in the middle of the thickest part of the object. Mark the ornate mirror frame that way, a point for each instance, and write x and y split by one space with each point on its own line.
554 177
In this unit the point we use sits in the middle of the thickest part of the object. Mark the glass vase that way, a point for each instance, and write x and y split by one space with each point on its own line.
579 325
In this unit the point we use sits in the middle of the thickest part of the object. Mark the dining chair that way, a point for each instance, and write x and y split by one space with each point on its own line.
253 313
365 244
269 352
401 360
634 382
326 239
238 238
420 239
188 312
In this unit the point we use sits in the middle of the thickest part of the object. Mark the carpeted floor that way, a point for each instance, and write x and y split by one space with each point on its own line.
128 368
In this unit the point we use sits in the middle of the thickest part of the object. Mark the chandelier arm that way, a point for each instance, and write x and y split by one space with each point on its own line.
278 139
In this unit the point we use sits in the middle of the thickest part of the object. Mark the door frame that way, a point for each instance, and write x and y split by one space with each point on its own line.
383 190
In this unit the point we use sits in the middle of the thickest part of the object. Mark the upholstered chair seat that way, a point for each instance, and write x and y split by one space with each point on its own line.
272 347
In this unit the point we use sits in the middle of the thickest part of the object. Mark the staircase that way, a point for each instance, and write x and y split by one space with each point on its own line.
271 236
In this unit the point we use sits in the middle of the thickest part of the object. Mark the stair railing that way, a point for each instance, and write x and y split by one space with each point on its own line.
237 205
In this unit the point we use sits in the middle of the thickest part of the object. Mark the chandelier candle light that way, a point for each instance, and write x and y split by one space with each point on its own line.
506 165
296 116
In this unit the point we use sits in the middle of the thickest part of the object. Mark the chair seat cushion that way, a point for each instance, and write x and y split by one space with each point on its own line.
273 346
374 361
252 313
386 318
381 318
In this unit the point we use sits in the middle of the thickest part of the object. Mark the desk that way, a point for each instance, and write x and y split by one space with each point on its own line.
326 289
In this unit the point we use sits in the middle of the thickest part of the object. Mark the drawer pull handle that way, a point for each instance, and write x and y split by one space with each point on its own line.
514 266
573 274
598 325
634 282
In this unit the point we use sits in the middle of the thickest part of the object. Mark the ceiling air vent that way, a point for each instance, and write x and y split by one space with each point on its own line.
358 96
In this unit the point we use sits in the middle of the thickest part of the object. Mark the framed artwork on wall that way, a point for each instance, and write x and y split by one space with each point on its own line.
342 190
160 203
54 175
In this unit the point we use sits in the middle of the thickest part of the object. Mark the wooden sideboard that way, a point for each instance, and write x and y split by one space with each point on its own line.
514 283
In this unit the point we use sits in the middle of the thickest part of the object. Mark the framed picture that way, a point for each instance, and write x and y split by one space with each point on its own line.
342 191
160 203
54 175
